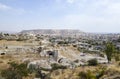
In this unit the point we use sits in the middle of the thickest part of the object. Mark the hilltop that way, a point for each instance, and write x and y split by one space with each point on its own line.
53 32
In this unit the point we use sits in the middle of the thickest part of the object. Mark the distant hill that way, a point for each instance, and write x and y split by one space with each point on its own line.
53 32
10 32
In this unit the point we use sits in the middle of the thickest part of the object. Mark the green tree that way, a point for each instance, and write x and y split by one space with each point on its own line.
109 50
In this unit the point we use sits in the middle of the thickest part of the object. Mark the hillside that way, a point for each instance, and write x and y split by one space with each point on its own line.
53 32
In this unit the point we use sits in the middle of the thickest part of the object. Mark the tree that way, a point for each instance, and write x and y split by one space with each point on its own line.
109 50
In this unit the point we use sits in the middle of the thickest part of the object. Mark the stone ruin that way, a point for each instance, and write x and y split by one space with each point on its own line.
39 63
50 54
2 52
53 54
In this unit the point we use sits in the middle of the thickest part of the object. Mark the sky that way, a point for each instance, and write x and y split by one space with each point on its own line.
84 15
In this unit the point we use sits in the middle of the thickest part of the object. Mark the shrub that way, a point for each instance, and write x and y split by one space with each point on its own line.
93 62
76 61
15 71
57 66
82 75
32 68
100 74
63 42
117 57
86 75
19 39
44 69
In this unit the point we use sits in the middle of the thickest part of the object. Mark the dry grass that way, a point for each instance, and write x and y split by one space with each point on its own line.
73 73
115 67
70 73
15 43
57 74
5 42
3 64
31 76
68 52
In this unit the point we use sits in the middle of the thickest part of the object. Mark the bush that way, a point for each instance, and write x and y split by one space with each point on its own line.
63 42
93 62
76 61
15 71
117 57
57 66
82 75
19 39
100 72
44 69
32 68
86 75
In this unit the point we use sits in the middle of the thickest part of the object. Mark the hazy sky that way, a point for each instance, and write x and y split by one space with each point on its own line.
85 15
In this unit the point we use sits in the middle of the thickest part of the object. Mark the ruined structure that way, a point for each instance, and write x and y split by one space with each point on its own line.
53 54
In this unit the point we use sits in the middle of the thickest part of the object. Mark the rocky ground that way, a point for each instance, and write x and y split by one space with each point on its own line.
25 51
